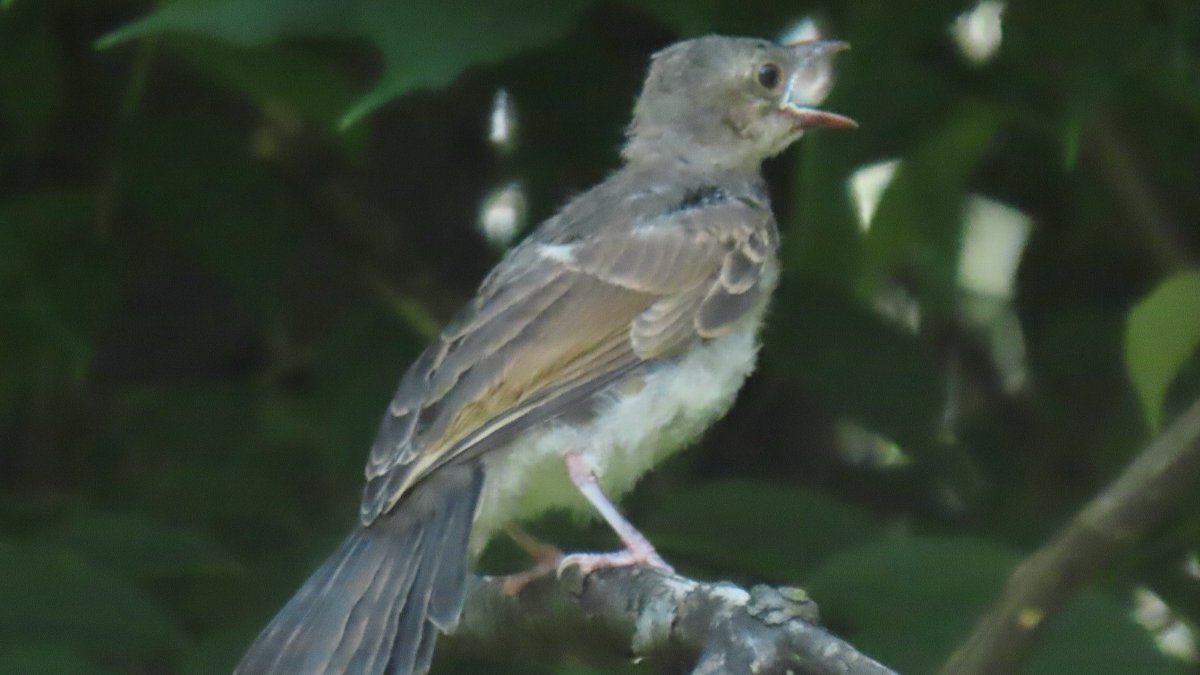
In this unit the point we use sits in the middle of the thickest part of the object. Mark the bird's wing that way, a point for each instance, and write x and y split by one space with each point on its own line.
555 323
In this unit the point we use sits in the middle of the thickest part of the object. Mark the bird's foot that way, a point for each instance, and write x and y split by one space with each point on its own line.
641 554
513 584
546 559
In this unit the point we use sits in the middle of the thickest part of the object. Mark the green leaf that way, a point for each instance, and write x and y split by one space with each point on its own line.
767 531
424 43
1163 331
910 602
286 77
427 43
246 23
46 594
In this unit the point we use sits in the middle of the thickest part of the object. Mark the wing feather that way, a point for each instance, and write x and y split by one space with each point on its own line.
552 326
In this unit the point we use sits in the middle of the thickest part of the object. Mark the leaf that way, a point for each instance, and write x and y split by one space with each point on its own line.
306 84
46 594
1163 331
910 602
757 528
424 43
246 23
427 43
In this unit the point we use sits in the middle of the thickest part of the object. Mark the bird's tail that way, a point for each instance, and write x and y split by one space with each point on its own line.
377 604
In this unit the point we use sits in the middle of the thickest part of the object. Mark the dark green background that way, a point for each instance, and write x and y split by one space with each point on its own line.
227 228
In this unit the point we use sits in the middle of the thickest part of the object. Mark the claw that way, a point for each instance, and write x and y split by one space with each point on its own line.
590 562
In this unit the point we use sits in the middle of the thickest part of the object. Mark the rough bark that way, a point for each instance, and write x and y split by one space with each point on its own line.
676 624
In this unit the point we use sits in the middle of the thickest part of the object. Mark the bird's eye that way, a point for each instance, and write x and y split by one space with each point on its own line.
768 75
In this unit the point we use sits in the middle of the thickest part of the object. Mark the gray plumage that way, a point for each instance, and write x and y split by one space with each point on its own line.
673 251
376 604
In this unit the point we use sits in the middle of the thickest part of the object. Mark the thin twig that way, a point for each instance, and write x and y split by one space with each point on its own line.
1164 472
1145 210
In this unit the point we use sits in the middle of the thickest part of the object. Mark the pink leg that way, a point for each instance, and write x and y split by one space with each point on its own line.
638 550
546 559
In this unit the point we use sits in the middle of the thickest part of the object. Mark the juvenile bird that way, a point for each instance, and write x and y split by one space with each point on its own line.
610 337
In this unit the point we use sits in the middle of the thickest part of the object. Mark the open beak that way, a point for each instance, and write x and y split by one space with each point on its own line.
809 84
811 117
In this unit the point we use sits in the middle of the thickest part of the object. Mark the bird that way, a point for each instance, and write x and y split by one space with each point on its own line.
609 338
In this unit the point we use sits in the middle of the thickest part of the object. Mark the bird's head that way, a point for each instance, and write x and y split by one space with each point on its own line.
732 102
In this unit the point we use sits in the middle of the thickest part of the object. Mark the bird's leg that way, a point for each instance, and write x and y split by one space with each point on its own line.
638 550
535 548
546 559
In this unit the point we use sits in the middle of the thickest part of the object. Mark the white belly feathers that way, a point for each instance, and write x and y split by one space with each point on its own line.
630 433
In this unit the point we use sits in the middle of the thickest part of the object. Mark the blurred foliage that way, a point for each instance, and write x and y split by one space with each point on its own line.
883 593
1163 333
226 226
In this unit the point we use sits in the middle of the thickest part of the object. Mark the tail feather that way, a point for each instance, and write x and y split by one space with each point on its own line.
442 580
375 615
324 624
375 607
450 584
425 651
413 624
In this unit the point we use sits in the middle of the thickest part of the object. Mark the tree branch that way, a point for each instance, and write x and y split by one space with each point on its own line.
1145 210
677 624
1163 473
